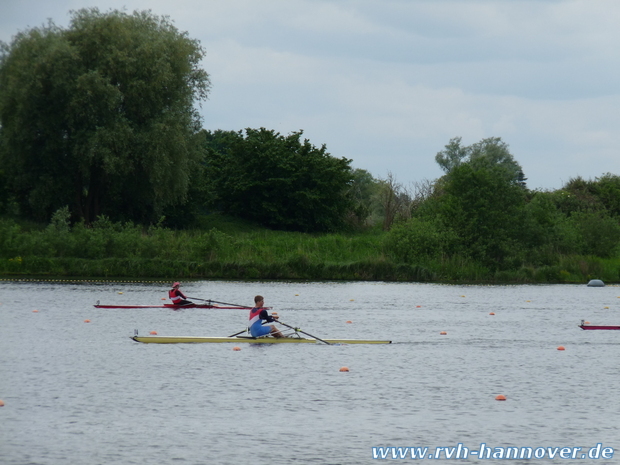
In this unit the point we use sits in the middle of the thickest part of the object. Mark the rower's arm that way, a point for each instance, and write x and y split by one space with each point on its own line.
263 315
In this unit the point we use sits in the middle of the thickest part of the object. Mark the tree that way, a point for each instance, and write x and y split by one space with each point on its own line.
482 197
362 192
578 195
4 194
602 194
598 233
607 189
452 156
394 200
489 153
485 210
278 181
493 153
100 116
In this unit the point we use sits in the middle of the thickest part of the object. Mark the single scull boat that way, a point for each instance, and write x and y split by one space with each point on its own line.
585 326
247 339
175 307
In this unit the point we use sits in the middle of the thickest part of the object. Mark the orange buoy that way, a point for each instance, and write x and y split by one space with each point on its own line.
418 306
491 313
344 369
1 403
351 300
561 348
86 321
349 321
586 322
35 311
443 333
236 348
163 298
500 397
153 333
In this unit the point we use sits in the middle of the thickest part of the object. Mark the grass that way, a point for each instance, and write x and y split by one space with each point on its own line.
229 248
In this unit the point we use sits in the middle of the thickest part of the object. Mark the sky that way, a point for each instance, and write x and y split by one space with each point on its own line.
388 83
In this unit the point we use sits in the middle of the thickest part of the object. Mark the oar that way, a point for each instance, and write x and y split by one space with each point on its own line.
303 332
216 302
237 334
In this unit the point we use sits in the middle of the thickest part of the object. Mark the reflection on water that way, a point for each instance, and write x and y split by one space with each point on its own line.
80 392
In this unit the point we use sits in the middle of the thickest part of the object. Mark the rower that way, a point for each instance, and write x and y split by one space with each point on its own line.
259 314
177 297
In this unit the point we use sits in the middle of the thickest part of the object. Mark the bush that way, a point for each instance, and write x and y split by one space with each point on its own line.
418 239
599 234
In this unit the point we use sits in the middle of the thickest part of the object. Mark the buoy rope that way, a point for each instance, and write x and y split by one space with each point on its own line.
106 281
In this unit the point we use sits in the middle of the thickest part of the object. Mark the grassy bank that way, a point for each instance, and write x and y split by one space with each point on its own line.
237 250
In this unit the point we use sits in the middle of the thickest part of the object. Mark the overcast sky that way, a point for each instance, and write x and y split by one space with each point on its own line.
387 83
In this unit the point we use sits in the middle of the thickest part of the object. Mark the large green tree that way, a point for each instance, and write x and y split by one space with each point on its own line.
279 181
476 210
490 153
100 116
477 214
485 210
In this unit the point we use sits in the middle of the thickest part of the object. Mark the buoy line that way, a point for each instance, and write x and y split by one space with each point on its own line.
86 280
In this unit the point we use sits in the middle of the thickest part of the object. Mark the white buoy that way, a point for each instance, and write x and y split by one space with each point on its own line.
596 283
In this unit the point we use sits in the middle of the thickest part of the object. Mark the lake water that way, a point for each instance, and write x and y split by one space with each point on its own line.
85 393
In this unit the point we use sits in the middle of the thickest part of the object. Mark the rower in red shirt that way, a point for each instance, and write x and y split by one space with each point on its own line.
177 297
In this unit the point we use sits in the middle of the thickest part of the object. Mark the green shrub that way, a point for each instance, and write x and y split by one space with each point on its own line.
418 239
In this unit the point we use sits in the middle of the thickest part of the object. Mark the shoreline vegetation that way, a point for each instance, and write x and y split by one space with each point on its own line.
106 172
240 250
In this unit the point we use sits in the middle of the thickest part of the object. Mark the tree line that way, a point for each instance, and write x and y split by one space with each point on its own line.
100 117
98 123
482 210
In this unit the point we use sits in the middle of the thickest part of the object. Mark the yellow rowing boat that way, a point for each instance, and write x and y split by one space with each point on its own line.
251 340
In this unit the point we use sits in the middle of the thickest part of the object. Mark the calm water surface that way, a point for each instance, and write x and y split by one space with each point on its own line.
84 393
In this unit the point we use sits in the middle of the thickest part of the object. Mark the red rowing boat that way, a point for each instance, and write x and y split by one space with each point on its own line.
176 307
585 326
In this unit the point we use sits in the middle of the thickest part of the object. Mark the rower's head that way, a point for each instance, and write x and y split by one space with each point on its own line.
259 300
175 285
